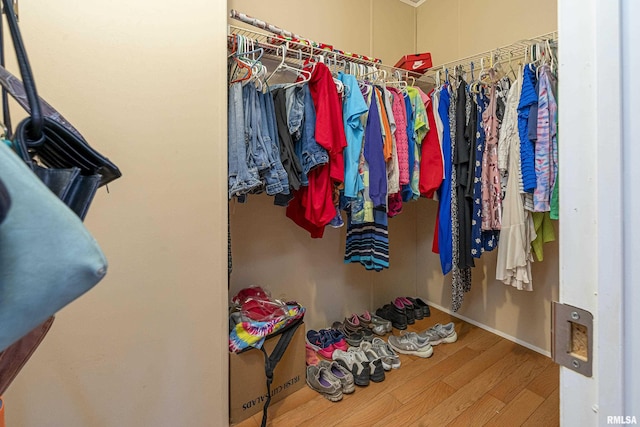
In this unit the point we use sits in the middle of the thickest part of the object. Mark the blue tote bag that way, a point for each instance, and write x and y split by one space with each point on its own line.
47 256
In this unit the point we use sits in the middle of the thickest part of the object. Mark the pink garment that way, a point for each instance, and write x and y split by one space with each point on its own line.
402 142
490 178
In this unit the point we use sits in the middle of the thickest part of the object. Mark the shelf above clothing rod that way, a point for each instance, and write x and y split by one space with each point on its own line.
501 55
299 48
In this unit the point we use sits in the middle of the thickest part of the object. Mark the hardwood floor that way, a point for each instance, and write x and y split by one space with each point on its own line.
480 380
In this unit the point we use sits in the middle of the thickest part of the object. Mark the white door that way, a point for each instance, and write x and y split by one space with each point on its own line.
599 233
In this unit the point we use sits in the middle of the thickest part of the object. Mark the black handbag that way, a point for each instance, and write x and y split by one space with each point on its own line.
54 149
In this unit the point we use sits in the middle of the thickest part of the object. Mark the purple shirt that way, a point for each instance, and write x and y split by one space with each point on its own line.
374 156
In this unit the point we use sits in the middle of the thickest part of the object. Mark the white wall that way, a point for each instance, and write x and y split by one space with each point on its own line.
145 82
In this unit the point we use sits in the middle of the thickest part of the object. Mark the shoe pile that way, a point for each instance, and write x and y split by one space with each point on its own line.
354 355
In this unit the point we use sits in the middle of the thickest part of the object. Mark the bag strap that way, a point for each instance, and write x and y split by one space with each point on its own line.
36 121
270 362
6 114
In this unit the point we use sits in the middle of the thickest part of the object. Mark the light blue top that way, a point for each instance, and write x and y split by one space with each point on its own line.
353 107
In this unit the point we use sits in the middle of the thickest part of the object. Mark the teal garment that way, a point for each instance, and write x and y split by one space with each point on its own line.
353 107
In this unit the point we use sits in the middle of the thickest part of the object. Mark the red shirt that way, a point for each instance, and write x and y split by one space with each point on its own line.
431 167
329 126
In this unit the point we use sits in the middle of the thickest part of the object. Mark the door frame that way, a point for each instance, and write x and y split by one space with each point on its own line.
593 151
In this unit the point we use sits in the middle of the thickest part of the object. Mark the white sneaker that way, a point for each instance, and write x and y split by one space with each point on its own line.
411 343
390 359
376 373
438 334
354 363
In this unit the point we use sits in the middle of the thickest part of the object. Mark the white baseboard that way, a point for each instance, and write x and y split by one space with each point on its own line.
490 329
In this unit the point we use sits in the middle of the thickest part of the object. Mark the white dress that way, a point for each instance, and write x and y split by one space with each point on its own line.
517 232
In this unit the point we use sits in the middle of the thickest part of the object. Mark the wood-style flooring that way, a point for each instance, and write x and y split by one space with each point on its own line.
480 380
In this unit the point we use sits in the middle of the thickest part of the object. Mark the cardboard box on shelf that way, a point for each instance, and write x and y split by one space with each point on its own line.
248 381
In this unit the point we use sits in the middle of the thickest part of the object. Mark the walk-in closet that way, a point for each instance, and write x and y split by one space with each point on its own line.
147 83
270 250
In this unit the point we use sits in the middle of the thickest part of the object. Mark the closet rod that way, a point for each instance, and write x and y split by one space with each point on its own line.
501 55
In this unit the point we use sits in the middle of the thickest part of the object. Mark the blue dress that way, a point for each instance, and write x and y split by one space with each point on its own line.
487 240
444 192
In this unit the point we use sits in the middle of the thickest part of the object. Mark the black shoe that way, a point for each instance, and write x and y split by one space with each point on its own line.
388 312
423 305
407 310
417 309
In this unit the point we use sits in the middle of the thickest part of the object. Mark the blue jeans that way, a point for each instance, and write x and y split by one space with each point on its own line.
242 178
269 134
258 140
295 110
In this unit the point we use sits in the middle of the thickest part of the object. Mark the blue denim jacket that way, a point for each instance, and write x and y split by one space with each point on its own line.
311 153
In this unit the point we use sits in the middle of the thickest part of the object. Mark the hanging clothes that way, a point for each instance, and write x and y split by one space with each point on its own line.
288 156
461 277
368 243
374 155
546 148
420 128
385 128
461 159
555 204
444 235
259 143
242 178
312 207
528 98
544 233
513 265
435 99
402 144
367 240
269 133
431 164
481 240
393 175
407 192
353 107
491 189
361 208
399 112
